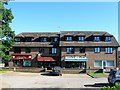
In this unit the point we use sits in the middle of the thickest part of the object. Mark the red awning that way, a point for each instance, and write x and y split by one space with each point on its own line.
21 56
45 59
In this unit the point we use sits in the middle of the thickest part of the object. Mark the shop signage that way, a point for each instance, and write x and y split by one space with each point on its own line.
75 58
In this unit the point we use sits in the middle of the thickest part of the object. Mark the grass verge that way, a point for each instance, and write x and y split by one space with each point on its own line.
93 74
4 71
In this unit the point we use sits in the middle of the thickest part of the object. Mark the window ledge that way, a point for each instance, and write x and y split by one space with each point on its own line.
108 53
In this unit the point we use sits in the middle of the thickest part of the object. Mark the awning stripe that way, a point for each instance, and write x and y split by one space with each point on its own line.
45 59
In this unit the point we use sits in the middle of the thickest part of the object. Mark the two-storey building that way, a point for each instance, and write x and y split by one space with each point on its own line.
69 49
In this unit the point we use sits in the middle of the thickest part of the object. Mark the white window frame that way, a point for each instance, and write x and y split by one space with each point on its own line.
97 60
106 64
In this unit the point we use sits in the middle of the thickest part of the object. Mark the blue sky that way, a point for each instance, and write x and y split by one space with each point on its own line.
53 17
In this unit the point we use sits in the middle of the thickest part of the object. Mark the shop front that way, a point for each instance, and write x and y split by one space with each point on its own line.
75 62
22 60
46 62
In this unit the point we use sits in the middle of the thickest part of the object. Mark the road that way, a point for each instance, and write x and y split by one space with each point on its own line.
36 80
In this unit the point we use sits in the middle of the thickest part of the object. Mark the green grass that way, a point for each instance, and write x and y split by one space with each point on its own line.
4 71
97 74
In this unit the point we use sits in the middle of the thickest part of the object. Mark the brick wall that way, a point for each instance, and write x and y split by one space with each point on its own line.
91 55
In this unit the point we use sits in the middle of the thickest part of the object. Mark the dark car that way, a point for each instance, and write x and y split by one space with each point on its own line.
114 77
57 70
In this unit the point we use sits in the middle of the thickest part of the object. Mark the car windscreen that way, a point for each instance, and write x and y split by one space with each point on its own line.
57 68
112 73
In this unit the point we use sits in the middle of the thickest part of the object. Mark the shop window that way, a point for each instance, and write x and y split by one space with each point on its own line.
79 65
108 50
27 63
97 50
110 63
104 63
70 50
98 63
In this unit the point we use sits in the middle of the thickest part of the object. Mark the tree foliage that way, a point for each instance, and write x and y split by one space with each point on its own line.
7 34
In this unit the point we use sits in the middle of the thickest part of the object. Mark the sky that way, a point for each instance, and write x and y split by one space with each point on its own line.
61 16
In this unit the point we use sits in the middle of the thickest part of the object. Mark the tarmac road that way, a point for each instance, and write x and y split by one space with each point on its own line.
36 80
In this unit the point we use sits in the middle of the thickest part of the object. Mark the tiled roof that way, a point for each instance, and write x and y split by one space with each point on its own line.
64 43
84 32
32 44
38 34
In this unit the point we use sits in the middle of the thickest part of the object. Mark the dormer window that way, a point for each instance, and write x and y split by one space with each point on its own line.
17 39
107 39
69 38
96 39
44 39
55 39
28 39
81 38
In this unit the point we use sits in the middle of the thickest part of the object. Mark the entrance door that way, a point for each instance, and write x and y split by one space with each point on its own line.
104 64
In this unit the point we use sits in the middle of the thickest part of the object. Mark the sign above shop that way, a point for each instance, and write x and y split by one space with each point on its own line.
75 58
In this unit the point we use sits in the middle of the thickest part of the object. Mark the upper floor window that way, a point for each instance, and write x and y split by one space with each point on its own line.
17 39
82 50
28 50
97 50
107 39
54 50
41 50
97 39
70 50
28 39
17 50
44 39
81 38
108 50
69 38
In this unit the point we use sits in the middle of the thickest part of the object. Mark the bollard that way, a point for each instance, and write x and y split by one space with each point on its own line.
14 69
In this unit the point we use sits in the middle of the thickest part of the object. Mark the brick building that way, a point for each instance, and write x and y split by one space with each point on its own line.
69 49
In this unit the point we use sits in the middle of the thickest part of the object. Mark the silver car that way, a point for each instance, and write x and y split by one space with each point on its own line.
114 77
57 70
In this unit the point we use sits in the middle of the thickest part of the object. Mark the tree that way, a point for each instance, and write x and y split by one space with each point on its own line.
7 37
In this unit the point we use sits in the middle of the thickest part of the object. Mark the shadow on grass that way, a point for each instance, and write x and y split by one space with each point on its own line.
49 74
97 85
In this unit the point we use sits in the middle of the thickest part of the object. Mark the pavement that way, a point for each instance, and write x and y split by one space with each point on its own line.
36 80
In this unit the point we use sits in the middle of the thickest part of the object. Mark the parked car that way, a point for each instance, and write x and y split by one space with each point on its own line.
57 70
114 77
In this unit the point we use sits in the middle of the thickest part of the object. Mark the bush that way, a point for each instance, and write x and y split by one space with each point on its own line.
116 87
